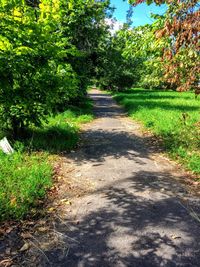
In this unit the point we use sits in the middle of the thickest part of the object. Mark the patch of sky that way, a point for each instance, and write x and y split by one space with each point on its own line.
141 13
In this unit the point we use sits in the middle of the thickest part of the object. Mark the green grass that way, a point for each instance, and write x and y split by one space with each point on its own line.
26 175
24 179
61 133
173 116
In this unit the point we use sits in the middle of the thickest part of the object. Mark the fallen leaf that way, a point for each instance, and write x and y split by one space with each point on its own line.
9 230
13 201
30 223
43 229
63 200
25 235
6 263
175 237
66 201
51 209
41 222
33 211
25 247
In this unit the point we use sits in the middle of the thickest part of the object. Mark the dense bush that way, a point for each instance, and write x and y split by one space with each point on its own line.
45 66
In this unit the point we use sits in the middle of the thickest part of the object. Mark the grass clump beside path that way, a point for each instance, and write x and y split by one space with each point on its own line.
173 116
61 132
26 175
24 179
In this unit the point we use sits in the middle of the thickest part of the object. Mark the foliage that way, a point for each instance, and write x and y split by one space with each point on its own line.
36 77
115 71
84 25
51 50
181 52
46 52
161 55
173 116
142 48
133 56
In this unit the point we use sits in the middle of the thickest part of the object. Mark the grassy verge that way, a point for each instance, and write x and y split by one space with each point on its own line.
61 132
26 175
173 116
24 180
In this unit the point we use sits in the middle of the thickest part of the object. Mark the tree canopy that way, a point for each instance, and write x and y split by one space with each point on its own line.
180 30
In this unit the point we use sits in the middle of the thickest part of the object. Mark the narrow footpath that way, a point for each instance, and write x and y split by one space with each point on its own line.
136 213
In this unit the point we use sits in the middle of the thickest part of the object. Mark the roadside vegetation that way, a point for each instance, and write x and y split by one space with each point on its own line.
171 115
27 174
47 62
52 51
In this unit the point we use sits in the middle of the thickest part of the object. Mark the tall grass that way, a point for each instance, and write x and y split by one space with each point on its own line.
173 116
61 133
26 175
24 179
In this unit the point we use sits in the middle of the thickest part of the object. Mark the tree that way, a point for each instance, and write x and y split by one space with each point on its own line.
47 54
115 71
181 54
83 24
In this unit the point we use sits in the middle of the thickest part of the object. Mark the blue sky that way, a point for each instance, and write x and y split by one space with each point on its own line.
141 13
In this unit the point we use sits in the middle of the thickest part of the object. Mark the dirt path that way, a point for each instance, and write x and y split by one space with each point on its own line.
136 213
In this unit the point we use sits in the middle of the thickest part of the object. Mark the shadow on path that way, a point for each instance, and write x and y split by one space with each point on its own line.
131 229
136 216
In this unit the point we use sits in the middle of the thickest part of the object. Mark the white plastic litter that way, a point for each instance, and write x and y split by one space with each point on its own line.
5 146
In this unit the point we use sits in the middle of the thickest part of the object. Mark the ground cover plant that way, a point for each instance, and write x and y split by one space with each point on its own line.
26 175
174 116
